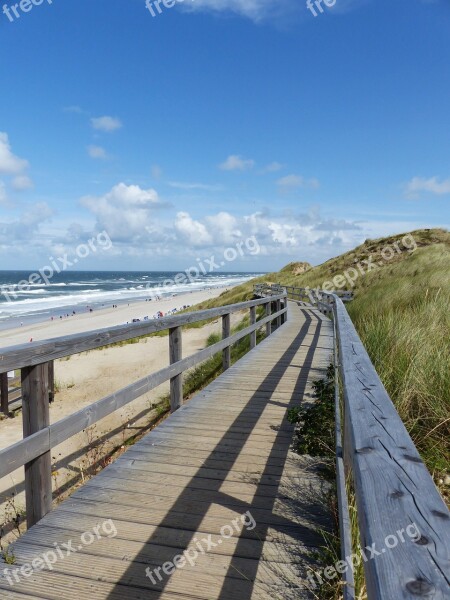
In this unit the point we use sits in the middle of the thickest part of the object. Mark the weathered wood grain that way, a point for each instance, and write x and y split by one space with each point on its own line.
25 355
4 399
35 445
226 352
393 486
191 476
176 354
36 417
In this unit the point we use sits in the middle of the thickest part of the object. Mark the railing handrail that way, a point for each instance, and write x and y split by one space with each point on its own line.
393 487
36 363
26 355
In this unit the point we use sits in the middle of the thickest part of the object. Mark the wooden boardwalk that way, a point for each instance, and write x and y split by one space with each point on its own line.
217 478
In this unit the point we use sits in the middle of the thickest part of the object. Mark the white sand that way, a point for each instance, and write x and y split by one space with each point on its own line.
102 318
88 377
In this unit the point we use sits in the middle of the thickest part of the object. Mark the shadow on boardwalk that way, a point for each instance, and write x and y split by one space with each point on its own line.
238 582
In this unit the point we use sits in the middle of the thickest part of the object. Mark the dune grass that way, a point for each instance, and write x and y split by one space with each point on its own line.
401 312
403 318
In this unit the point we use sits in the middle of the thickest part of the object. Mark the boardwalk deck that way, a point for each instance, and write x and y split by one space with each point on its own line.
187 485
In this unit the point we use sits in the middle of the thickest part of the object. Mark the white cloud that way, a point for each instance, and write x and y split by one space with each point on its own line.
97 152
125 211
21 183
273 167
13 166
224 228
10 164
433 186
106 124
292 182
13 233
256 10
192 232
179 185
3 196
73 109
156 171
237 163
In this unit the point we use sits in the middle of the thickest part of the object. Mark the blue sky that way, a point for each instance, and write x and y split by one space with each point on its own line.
218 120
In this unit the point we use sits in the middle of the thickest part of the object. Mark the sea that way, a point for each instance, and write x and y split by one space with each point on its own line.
71 291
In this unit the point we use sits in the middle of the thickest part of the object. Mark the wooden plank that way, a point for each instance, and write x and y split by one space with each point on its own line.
393 486
4 400
51 380
226 352
176 354
16 357
188 478
345 527
36 416
253 322
59 586
15 456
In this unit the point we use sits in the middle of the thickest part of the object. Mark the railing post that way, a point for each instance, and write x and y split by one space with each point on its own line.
51 381
253 322
176 354
226 330
36 416
279 317
285 303
269 323
4 407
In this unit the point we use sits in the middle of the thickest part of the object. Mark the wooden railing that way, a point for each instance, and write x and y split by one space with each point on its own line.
392 485
36 363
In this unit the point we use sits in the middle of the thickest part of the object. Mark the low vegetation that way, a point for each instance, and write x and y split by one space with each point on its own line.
401 309
314 436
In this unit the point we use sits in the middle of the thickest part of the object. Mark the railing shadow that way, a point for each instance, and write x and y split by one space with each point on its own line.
234 586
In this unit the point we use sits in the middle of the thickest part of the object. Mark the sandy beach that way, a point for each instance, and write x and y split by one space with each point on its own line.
101 318
84 378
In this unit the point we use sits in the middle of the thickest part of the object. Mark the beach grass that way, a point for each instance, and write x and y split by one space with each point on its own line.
401 312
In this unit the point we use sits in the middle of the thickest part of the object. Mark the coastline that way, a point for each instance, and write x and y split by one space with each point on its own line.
89 376
104 317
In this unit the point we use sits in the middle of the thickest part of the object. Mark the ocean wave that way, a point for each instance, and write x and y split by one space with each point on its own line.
54 302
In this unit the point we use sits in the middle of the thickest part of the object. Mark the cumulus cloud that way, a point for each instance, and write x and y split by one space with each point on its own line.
22 182
292 182
73 109
26 226
10 164
124 211
224 228
191 231
180 185
237 163
156 171
273 167
13 166
256 10
288 235
433 185
106 123
97 152
3 196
